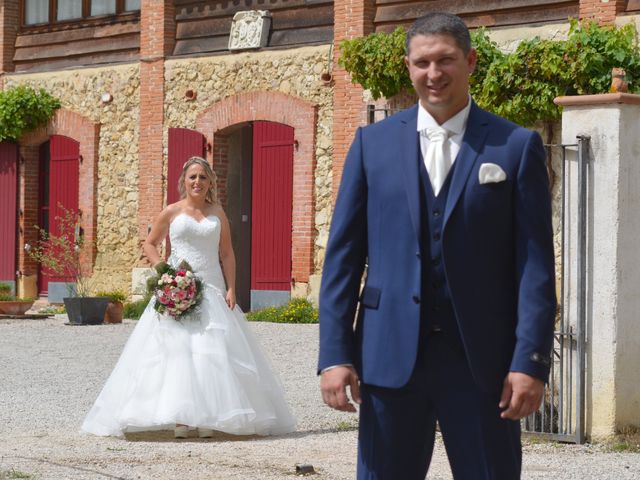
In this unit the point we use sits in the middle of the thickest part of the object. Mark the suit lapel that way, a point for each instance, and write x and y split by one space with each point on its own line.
409 144
474 138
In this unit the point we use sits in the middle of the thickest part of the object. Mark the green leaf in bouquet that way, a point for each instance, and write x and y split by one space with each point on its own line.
162 267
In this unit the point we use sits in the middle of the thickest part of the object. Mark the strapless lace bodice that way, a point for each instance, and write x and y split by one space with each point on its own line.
197 243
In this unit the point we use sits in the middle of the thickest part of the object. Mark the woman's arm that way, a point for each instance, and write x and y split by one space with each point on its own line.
228 259
159 230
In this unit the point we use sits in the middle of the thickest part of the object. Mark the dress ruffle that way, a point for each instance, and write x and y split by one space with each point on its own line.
205 371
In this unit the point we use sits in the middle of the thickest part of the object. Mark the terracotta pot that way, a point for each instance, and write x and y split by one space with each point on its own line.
114 311
15 307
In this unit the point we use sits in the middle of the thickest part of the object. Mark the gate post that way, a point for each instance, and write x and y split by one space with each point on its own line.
612 259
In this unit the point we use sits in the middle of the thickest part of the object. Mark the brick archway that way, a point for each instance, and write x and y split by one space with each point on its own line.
87 133
302 116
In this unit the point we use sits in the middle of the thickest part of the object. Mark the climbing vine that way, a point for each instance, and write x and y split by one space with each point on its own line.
520 85
23 108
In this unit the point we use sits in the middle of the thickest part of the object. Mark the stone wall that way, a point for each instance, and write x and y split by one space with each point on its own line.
80 91
294 72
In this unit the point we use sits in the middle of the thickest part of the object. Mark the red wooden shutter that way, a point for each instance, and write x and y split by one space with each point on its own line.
8 208
64 172
183 144
272 194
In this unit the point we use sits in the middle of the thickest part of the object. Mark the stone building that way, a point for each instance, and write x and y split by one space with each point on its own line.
144 84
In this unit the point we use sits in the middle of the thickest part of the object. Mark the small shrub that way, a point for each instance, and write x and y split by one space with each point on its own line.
8 297
298 310
5 288
114 296
133 310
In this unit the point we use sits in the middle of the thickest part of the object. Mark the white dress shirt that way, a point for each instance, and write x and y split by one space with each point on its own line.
457 125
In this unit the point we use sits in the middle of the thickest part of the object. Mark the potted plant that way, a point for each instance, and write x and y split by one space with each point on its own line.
12 305
115 308
59 254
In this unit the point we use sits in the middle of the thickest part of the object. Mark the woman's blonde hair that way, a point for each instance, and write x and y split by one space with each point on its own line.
212 193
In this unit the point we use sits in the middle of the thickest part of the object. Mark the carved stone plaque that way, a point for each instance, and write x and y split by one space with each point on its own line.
250 29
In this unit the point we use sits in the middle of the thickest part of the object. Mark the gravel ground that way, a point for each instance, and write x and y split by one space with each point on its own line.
50 374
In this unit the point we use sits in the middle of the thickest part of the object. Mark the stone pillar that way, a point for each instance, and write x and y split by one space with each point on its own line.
612 260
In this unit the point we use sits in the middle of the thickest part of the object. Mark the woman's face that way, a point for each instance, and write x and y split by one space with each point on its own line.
196 182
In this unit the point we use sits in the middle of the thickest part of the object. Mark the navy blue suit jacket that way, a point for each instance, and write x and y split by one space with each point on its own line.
497 250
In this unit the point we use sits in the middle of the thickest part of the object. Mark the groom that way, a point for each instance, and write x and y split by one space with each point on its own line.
446 209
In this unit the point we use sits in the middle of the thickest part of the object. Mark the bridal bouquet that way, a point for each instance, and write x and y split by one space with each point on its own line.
177 290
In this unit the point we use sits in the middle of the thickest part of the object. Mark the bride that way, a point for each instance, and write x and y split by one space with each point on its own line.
204 372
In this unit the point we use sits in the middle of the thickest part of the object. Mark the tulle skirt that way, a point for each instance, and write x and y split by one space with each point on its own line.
206 371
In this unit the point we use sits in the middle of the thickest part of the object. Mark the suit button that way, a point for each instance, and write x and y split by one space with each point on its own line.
435 261
436 236
416 299
436 212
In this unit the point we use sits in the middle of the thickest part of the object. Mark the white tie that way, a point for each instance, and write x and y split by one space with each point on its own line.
437 161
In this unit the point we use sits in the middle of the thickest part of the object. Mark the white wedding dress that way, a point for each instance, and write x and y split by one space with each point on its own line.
205 371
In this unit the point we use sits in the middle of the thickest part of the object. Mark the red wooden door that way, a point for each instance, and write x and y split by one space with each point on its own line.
59 182
8 208
183 144
272 194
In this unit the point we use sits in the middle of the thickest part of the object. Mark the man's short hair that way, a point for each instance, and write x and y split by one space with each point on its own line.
440 23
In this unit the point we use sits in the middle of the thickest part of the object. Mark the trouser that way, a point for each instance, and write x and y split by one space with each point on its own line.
397 426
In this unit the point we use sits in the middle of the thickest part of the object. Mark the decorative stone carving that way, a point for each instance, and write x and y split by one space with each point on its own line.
250 29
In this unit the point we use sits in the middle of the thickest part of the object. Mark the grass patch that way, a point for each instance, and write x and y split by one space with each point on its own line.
53 310
627 441
14 474
347 425
298 310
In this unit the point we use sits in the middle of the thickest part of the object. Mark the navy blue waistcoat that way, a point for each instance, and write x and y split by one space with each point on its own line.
436 308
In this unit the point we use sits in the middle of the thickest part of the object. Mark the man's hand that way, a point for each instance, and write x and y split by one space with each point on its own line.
521 395
333 385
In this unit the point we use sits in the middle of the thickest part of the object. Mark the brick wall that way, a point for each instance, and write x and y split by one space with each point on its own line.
353 18
9 12
605 11
221 165
157 37
28 204
302 116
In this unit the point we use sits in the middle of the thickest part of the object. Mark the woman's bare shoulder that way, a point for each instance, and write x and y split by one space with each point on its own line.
218 211
171 211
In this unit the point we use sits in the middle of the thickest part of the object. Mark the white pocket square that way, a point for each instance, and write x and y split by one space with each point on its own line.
491 173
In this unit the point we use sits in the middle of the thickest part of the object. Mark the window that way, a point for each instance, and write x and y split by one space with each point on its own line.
103 7
69 9
38 12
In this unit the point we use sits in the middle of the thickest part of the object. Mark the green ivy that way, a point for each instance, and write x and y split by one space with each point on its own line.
22 109
377 62
519 86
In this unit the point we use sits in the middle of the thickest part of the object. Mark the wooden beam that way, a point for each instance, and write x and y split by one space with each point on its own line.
90 46
66 36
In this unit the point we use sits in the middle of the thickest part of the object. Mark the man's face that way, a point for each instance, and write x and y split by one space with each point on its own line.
439 71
